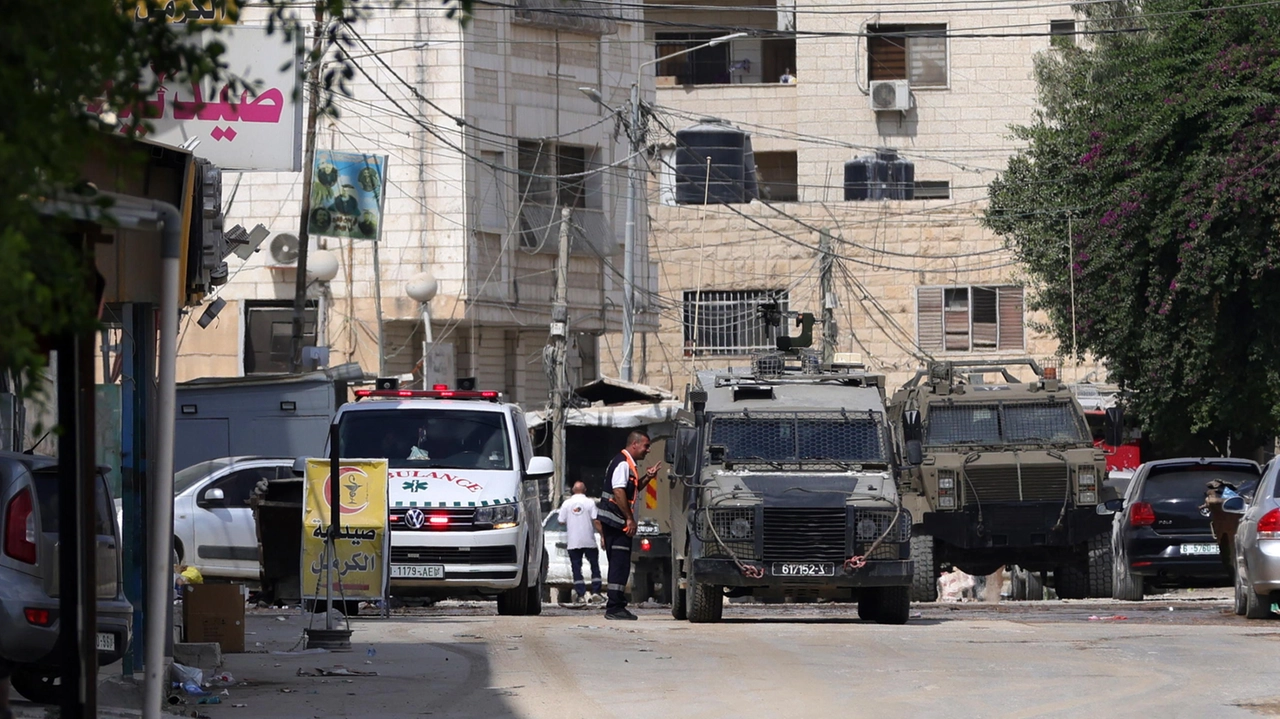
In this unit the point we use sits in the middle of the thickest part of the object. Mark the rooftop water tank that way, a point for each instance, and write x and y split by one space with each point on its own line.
714 165
882 176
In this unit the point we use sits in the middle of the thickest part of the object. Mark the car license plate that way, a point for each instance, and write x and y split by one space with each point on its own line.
804 569
1199 549
106 642
417 571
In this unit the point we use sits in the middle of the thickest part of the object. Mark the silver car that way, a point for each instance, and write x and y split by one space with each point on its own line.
1258 548
29 576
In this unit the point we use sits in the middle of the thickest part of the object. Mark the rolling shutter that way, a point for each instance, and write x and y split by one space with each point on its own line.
929 318
985 317
1011 318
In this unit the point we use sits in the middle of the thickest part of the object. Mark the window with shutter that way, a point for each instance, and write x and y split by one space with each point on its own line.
491 200
963 319
929 318
917 53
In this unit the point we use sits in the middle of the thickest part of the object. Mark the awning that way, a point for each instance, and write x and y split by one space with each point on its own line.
631 414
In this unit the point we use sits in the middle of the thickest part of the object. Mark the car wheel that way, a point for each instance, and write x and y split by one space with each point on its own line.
39 686
514 602
641 585
534 607
924 583
1257 606
1242 601
894 605
1125 585
679 609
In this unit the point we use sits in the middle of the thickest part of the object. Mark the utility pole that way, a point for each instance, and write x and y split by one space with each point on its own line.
826 267
559 345
308 159
629 238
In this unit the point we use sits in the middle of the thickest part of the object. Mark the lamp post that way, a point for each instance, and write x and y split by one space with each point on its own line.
636 142
322 268
422 287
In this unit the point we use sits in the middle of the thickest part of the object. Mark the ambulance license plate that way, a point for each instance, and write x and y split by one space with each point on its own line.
106 642
1199 549
417 571
804 569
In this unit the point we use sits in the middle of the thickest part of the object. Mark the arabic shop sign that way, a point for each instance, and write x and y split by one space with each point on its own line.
358 566
258 129
347 189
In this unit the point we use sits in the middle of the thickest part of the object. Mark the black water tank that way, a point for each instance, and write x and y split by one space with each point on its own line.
902 180
732 171
865 178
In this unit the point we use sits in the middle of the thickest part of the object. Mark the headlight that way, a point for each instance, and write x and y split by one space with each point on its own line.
866 529
740 528
1089 497
500 516
1086 477
946 482
946 502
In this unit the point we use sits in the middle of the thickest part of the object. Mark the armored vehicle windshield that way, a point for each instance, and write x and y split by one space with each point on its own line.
801 437
1004 423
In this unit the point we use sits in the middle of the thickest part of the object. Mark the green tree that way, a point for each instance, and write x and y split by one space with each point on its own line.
60 60
1148 183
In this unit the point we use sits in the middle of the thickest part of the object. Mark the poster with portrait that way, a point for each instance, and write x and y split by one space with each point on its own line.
347 191
358 569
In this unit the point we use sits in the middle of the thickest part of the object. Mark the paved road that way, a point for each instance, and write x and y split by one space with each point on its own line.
1182 655
1044 659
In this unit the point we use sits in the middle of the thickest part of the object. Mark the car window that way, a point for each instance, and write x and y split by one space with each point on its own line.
237 487
554 524
46 484
428 438
1190 483
525 442
183 480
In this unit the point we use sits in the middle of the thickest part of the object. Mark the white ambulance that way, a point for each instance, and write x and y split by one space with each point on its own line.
462 492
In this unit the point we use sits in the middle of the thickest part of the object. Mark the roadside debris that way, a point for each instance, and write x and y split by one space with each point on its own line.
1112 618
337 671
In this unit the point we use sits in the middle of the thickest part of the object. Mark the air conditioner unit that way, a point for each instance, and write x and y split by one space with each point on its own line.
890 95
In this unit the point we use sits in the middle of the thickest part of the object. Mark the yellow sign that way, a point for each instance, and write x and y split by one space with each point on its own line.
358 567
201 12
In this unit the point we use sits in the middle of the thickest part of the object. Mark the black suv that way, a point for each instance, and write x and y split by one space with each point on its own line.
1160 535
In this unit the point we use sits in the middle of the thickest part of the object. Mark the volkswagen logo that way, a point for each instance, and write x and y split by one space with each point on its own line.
414 519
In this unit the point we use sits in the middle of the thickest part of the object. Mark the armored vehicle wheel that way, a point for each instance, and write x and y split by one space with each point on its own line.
1101 563
894 605
514 602
641 585
679 607
1071 581
1124 585
924 583
868 604
706 603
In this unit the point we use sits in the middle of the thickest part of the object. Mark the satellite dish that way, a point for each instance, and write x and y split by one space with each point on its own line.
284 248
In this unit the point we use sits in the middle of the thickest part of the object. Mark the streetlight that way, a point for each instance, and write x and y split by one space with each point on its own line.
422 287
629 239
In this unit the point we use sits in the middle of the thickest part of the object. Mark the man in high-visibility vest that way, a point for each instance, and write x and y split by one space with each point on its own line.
617 521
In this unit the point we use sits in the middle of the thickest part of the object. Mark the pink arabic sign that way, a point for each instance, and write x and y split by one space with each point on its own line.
244 132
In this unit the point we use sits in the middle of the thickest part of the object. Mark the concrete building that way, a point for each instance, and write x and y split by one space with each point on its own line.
488 135
915 278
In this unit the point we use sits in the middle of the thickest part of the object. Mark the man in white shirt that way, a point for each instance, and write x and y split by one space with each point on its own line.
578 515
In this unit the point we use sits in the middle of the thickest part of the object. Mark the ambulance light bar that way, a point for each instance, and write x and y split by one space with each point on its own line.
490 395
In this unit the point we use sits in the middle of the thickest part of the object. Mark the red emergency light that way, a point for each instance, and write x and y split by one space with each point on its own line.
645 545
490 395
438 520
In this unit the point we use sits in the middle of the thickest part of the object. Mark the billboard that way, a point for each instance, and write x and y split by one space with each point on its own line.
254 129
347 190
358 569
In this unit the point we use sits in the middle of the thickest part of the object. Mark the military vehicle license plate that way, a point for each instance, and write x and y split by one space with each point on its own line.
1199 549
804 569
106 642
417 571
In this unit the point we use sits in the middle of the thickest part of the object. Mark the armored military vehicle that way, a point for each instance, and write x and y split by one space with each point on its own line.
785 491
1001 473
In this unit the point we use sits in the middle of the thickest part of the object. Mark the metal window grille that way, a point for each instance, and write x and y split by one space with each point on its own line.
1042 421
804 437
728 322
1008 422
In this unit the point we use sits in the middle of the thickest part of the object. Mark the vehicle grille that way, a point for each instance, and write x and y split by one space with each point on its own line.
720 542
461 519
501 554
812 535
1040 482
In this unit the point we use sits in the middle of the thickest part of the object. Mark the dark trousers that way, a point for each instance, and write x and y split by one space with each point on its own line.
618 547
575 563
